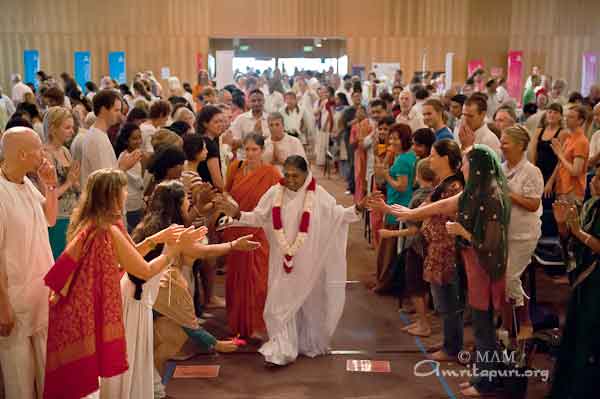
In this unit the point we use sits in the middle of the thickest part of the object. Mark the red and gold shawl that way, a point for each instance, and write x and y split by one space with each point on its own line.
86 335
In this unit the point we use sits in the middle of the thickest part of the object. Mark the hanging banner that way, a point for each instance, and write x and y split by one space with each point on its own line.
589 72
474 65
224 68
514 74
31 64
82 68
448 70
116 66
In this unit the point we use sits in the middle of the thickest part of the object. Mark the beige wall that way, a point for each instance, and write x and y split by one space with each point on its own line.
157 33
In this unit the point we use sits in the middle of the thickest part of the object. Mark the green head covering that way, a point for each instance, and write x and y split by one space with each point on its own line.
484 210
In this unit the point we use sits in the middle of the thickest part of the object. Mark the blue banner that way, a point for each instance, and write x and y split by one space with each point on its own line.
83 68
116 66
31 64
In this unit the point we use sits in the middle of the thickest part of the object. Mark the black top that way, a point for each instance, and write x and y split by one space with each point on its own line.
546 158
138 282
212 147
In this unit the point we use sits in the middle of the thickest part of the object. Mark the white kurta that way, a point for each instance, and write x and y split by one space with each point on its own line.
303 307
139 380
322 139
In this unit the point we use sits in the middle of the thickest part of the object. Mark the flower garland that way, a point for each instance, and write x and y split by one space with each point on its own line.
290 250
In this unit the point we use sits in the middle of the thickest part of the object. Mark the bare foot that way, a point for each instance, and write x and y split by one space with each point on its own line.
226 346
420 331
472 392
408 327
215 302
464 385
442 356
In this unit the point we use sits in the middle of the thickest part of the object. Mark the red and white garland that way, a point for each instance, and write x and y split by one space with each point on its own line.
290 250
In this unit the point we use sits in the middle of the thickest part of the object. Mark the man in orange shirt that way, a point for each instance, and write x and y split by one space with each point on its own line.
570 173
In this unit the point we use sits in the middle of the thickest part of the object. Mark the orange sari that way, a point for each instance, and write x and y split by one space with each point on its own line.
357 135
247 272
86 335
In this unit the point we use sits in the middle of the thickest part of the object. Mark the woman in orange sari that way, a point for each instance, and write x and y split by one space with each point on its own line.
247 272
360 130
86 335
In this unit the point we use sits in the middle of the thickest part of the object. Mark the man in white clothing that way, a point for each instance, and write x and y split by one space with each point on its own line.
25 258
19 89
253 121
280 145
96 149
307 233
297 121
474 130
408 115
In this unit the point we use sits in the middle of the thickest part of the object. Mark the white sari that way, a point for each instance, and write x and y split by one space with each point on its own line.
303 307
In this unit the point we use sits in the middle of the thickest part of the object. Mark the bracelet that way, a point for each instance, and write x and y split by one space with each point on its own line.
151 242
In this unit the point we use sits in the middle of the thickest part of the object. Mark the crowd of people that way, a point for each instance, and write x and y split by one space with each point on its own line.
174 185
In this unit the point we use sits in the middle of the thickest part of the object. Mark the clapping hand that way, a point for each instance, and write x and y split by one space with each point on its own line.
573 218
129 159
466 135
401 213
203 195
47 173
74 172
560 211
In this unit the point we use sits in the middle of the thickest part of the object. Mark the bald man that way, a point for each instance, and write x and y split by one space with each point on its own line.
25 257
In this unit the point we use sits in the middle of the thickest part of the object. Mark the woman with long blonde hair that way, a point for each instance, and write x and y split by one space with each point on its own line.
59 128
86 335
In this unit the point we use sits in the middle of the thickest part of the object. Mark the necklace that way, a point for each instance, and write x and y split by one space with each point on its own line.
291 250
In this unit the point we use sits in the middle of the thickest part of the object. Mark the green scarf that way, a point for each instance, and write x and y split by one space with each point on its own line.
484 210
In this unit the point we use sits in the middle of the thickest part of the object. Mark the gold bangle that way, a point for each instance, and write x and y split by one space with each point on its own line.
151 242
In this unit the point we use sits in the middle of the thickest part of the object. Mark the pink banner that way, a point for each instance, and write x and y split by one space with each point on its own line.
514 80
589 72
474 65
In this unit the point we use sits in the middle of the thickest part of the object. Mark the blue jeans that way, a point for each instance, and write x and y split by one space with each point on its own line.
447 302
485 346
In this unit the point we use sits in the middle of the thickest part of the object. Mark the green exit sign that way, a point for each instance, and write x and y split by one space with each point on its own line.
244 47
308 49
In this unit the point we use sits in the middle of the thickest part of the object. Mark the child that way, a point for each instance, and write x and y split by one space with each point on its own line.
413 253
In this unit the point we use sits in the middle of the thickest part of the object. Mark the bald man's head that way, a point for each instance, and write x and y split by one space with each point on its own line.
22 148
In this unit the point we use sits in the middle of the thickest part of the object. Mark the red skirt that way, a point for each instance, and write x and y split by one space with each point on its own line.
481 289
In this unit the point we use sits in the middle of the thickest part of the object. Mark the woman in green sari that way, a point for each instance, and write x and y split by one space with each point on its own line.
577 370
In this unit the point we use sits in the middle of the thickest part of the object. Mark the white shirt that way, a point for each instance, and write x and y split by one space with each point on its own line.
96 153
292 120
243 125
595 144
524 179
148 130
25 254
274 101
8 105
18 92
287 146
484 135
135 187
414 120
